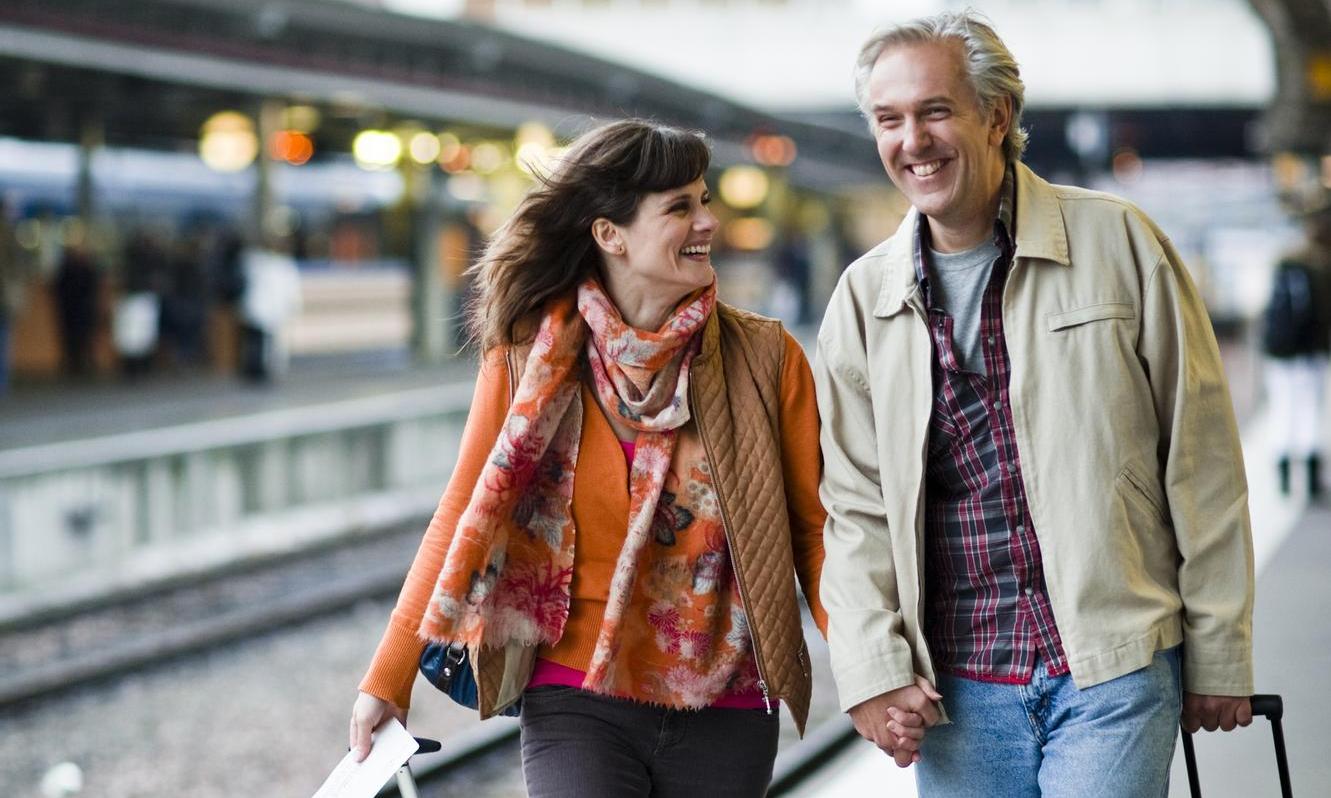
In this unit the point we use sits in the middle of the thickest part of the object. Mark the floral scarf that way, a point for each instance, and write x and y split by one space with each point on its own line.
508 569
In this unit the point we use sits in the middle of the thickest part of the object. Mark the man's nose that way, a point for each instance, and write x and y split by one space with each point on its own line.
916 137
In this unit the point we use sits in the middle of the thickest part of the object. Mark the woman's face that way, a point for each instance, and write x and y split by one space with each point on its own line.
667 246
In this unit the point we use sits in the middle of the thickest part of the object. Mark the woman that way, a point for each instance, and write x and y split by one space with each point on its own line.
635 493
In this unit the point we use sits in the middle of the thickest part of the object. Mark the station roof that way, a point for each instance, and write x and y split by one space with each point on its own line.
150 72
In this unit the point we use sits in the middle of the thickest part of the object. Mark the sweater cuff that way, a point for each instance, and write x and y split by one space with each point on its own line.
393 670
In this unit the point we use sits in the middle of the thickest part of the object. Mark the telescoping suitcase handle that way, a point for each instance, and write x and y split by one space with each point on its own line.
1273 708
406 783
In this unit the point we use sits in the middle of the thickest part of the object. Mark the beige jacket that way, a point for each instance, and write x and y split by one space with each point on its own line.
1129 451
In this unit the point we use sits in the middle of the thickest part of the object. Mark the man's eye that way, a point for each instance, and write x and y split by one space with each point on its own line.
937 112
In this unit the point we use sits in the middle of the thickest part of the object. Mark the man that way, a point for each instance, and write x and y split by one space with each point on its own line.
1037 512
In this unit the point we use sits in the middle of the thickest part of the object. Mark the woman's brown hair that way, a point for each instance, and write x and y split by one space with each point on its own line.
546 248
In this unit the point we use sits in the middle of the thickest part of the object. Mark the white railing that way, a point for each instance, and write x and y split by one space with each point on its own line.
81 519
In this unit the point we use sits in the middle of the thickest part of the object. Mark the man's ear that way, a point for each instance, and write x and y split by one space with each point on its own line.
1000 119
607 237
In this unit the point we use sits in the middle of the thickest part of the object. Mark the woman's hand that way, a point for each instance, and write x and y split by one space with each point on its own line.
366 714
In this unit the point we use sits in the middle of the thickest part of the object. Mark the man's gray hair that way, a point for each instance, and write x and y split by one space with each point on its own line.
990 68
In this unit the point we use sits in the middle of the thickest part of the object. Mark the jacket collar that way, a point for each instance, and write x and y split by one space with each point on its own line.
711 335
1040 234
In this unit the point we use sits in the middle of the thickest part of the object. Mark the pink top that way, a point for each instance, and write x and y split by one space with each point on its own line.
547 672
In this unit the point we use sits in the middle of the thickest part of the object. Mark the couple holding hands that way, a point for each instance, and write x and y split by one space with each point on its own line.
1009 487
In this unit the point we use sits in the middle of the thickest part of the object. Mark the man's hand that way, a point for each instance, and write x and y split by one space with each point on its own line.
1213 712
896 720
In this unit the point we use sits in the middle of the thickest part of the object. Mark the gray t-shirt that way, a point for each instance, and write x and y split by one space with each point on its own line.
956 283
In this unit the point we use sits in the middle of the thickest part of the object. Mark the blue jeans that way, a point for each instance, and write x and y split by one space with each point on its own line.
1047 738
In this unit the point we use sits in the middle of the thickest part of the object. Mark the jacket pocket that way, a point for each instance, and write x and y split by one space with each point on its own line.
1097 312
1137 487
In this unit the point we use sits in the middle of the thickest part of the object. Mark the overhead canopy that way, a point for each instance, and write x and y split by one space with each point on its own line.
151 71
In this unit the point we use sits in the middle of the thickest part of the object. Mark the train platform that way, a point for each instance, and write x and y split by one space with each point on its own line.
38 413
1292 657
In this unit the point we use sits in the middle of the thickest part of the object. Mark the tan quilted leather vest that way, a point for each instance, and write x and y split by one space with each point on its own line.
735 397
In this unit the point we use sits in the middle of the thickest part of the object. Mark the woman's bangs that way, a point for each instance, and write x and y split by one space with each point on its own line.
670 159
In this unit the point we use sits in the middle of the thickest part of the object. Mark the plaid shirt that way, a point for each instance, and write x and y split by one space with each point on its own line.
987 611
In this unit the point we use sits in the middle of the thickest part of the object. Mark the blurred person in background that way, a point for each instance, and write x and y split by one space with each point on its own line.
14 275
1296 335
76 285
635 496
136 319
1037 511
185 303
270 298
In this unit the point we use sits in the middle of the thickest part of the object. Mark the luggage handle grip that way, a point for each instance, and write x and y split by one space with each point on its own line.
427 746
1271 707
1268 706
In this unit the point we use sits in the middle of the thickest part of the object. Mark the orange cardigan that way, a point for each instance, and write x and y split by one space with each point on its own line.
600 511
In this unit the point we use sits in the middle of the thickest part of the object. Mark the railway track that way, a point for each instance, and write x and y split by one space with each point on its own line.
46 654
52 660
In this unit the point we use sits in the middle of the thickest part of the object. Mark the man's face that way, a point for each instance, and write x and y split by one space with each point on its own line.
937 145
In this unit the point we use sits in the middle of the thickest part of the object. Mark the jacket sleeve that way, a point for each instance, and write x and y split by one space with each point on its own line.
393 669
1204 481
870 654
800 469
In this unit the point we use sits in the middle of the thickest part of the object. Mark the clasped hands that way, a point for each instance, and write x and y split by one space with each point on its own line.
895 721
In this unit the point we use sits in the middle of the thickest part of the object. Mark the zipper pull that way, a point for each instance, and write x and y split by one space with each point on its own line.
767 702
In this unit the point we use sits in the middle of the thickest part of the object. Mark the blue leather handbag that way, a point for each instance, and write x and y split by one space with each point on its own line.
448 668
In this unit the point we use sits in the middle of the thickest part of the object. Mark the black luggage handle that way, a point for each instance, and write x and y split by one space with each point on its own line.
428 746
1272 708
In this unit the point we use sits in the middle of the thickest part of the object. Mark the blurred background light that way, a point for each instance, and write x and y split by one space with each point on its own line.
424 147
227 142
301 118
772 150
749 233
488 157
743 187
1127 166
534 133
376 150
291 146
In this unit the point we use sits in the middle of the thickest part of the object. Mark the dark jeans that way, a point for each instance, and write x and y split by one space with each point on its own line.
577 744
